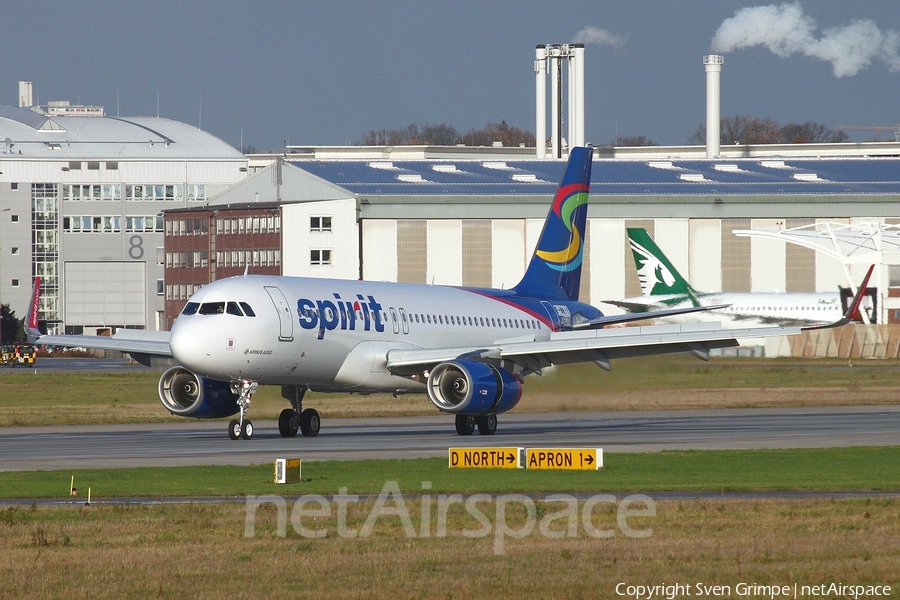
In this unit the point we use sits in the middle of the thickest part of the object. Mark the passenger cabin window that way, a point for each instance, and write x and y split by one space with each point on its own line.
190 308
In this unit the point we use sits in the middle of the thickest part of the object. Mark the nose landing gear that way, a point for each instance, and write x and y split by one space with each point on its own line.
242 428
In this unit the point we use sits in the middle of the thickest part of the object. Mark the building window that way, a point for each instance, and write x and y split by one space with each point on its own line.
14 218
93 165
15 283
15 251
160 287
112 166
320 257
14 186
74 165
320 223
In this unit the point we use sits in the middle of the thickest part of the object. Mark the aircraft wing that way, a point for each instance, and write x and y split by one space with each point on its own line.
641 316
634 307
140 344
597 345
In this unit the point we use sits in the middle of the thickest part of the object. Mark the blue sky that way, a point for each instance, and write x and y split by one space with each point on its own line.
310 73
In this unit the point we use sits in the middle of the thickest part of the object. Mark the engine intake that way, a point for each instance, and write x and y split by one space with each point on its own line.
187 395
473 388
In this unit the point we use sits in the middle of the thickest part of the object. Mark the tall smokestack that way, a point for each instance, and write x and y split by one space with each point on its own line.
713 65
548 62
25 94
540 88
576 95
555 96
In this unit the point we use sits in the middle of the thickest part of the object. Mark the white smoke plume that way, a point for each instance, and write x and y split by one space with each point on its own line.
599 37
786 30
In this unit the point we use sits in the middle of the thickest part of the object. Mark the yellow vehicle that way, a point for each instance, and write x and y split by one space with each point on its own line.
18 354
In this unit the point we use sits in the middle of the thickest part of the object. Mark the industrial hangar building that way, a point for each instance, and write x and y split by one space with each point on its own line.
81 202
456 220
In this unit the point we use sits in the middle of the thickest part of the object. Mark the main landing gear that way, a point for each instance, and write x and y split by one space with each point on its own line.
466 424
294 418
242 428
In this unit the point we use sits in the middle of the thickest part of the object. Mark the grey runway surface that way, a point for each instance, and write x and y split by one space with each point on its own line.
207 443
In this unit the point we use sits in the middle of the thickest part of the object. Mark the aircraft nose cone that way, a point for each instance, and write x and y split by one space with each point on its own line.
187 344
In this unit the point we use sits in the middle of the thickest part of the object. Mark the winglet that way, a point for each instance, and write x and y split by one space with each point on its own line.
852 311
32 331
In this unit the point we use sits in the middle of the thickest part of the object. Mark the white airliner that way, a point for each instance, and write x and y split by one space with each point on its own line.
467 349
664 287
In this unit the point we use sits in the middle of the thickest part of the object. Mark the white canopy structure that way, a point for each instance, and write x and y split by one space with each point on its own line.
858 243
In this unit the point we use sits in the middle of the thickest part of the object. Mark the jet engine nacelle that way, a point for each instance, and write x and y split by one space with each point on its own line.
473 388
187 395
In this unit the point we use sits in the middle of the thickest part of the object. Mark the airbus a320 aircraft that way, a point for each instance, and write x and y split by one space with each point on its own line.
467 349
664 287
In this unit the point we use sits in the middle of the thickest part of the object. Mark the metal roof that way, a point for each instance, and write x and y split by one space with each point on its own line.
613 177
37 136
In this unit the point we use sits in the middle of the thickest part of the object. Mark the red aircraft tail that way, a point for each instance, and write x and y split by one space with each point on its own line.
31 318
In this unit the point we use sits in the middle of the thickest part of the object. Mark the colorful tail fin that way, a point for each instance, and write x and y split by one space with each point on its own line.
32 331
658 276
555 268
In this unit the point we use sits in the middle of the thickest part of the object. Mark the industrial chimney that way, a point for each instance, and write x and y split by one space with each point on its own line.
25 94
713 65
548 64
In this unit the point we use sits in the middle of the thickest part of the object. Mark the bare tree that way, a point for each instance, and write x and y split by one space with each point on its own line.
502 132
633 140
811 133
445 135
411 135
744 129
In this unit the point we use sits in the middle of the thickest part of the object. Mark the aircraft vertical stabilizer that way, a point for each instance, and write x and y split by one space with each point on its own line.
32 331
555 268
658 276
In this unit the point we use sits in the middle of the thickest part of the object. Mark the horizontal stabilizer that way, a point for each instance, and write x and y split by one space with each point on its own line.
639 316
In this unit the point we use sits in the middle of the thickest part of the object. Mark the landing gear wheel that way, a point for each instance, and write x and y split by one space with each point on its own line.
487 424
288 423
465 424
247 430
310 422
234 429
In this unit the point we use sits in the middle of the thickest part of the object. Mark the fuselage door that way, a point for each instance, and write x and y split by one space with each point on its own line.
286 324
403 321
394 320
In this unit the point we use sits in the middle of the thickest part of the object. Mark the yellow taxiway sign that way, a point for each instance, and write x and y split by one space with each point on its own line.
587 459
487 458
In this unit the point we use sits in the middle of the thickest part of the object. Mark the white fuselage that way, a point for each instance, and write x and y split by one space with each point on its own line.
754 307
334 335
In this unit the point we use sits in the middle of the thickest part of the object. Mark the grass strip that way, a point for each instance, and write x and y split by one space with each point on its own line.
855 468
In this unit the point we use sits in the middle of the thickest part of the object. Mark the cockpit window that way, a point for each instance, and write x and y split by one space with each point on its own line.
233 309
212 308
247 310
190 308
